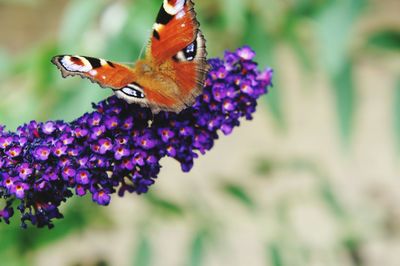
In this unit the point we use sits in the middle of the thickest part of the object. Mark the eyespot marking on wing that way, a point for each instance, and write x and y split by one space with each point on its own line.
132 93
173 7
75 63
188 53
133 90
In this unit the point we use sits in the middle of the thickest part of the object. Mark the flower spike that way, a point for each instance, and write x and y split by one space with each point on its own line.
113 149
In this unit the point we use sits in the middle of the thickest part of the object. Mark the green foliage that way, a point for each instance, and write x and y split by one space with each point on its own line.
163 206
343 84
334 32
143 252
275 255
396 111
319 34
197 251
388 39
238 193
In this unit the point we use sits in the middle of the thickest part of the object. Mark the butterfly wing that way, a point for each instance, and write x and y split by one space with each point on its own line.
175 28
105 73
177 48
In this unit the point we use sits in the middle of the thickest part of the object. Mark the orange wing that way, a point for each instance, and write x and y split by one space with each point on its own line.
175 28
177 50
105 73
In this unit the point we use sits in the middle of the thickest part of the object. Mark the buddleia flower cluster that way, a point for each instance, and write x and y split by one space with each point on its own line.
114 148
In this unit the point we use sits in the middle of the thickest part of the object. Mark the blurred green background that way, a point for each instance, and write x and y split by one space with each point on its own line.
313 180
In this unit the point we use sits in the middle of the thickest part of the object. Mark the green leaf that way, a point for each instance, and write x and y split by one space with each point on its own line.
264 167
353 247
275 255
164 206
143 252
308 8
396 112
300 51
385 39
345 99
334 32
197 248
293 37
239 194
331 199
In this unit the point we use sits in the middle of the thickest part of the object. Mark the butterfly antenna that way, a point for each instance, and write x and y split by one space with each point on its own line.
142 50
140 56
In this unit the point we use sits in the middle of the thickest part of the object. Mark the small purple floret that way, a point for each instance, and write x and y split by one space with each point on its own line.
42 153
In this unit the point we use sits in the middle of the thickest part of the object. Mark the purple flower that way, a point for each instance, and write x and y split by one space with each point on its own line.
147 141
219 92
121 152
126 164
5 142
48 128
8 182
80 132
166 134
246 53
14 151
114 150
101 197
68 172
138 158
112 122
82 177
97 132
42 153
50 175
67 139
80 190
94 119
24 171
171 151
82 161
228 105
19 190
105 145
128 123
186 131
59 149
6 213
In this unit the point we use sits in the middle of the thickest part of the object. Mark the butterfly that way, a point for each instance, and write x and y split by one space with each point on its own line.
172 72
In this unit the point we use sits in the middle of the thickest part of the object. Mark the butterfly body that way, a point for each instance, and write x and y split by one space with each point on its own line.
170 76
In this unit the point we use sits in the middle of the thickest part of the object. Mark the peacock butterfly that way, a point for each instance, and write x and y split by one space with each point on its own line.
172 72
